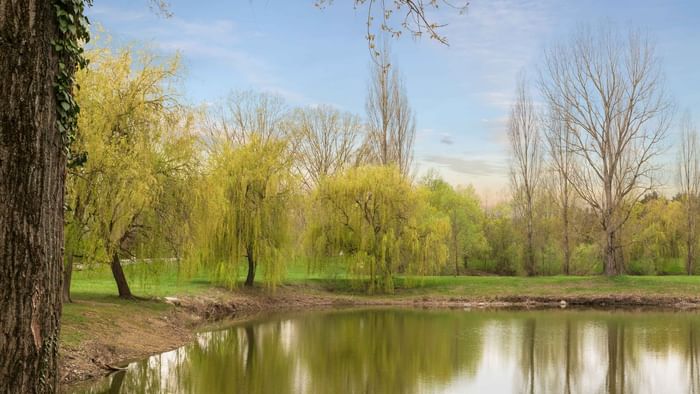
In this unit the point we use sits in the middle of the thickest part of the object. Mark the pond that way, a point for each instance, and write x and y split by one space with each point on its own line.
430 351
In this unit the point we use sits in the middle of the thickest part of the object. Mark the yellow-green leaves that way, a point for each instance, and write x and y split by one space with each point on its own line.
244 211
128 127
374 217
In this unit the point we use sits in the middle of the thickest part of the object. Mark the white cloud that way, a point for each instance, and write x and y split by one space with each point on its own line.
217 41
473 166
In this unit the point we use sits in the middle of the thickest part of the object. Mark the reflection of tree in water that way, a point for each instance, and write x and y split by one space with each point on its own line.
388 351
247 359
615 379
692 357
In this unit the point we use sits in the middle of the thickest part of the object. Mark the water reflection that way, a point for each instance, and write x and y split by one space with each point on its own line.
417 351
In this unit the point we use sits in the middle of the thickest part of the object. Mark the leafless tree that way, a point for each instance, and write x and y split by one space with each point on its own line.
398 16
526 164
244 114
609 90
391 128
559 148
689 182
327 142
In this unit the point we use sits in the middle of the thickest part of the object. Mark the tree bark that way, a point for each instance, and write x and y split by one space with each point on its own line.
530 248
32 174
567 246
612 259
690 240
120 278
250 279
455 244
610 265
67 275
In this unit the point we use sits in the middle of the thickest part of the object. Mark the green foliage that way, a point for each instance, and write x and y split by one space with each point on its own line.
242 211
466 240
504 251
374 217
587 259
654 237
73 27
130 127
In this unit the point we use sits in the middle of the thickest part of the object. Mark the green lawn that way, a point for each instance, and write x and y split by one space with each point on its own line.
163 280
98 306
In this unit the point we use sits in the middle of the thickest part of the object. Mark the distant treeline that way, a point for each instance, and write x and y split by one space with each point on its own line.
250 183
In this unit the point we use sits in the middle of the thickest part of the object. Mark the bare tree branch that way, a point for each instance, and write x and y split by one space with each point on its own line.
608 89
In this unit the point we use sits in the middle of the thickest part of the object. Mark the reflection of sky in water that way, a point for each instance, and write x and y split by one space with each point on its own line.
432 351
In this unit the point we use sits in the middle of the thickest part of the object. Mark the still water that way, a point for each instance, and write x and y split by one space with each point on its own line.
430 351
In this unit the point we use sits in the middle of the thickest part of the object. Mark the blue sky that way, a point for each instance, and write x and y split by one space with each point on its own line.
461 93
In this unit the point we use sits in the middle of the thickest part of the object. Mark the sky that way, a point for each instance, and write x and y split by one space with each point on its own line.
461 93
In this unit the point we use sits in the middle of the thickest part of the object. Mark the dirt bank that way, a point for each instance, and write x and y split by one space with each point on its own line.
104 334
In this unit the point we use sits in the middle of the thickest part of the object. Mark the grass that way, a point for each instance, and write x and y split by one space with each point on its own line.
98 306
97 284
492 286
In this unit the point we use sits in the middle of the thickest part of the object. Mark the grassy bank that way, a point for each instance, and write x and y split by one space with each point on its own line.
99 328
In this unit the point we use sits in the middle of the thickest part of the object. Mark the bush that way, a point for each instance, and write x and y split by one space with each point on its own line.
586 259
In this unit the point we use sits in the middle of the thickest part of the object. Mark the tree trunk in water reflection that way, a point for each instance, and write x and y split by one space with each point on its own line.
616 358
115 387
567 388
529 343
693 359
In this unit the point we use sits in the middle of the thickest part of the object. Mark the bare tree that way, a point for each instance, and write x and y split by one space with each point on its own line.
327 142
526 164
689 182
411 15
609 90
558 139
391 128
244 114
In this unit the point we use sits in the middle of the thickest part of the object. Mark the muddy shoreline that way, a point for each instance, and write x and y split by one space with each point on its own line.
186 316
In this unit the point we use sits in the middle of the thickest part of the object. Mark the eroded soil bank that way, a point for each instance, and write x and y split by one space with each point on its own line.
105 333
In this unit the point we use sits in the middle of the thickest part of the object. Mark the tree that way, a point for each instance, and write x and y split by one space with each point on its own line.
326 142
40 51
244 211
244 115
373 216
526 165
36 126
411 14
467 239
391 128
609 91
689 181
558 139
128 129
499 232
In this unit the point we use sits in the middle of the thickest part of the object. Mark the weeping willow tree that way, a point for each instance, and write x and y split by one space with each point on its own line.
242 214
382 226
128 132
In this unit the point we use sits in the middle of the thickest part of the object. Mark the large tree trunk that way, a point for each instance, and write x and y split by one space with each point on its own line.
610 266
120 278
690 240
32 165
611 252
567 246
530 252
67 275
455 244
250 279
